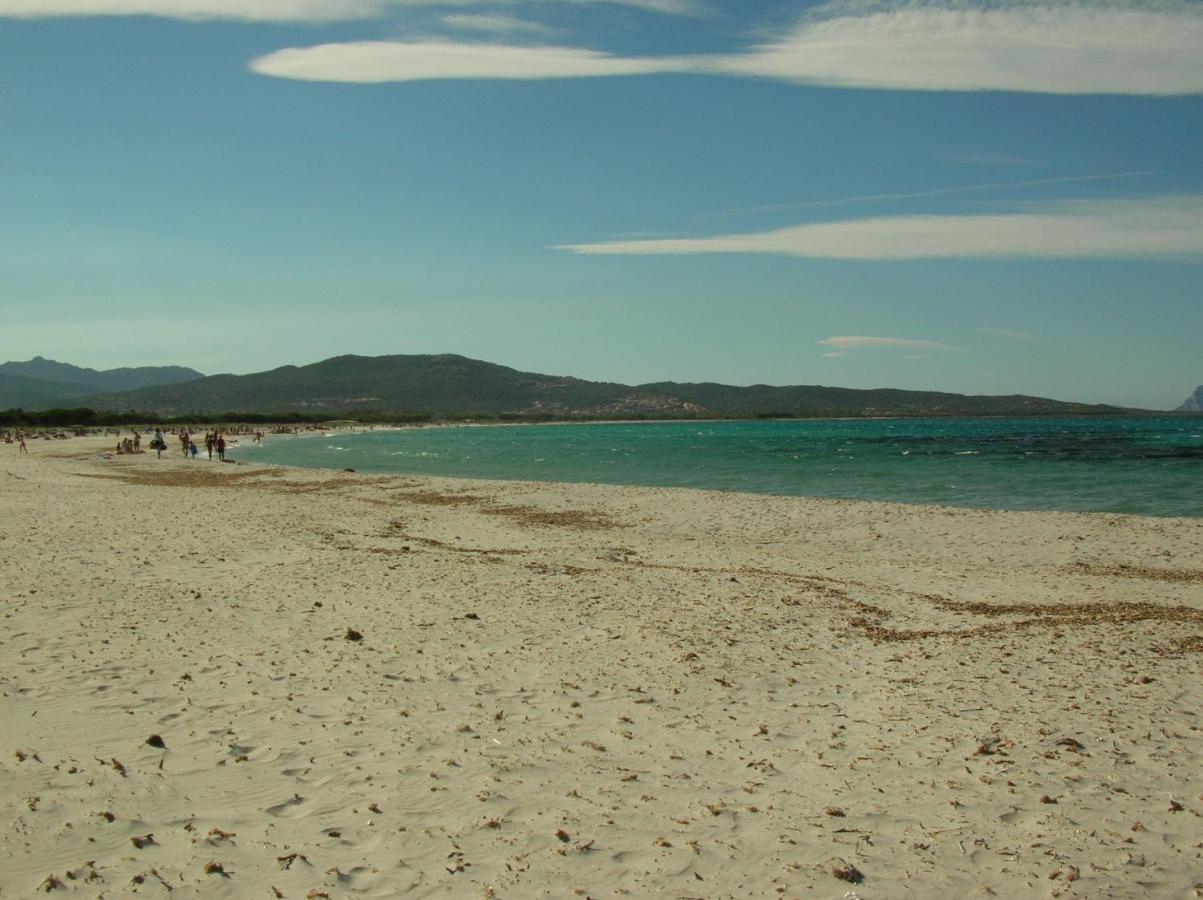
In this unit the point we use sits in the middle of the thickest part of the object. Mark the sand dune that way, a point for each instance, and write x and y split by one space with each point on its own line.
224 681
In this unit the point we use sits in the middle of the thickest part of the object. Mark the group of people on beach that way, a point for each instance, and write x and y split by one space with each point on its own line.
214 440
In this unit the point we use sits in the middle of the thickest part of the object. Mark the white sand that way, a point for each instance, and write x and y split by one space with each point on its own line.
578 690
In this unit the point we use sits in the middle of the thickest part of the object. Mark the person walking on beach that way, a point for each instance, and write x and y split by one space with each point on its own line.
210 439
21 441
220 443
137 442
184 441
158 443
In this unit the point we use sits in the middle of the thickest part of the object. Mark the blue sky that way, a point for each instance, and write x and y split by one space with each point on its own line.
984 198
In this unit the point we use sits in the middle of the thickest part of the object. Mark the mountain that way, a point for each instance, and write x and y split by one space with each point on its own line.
455 386
19 391
39 381
124 379
1194 403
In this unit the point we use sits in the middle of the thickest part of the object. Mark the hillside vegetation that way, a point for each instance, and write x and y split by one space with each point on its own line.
446 385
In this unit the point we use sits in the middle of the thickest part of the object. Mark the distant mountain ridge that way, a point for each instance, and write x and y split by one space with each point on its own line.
1194 403
447 385
39 381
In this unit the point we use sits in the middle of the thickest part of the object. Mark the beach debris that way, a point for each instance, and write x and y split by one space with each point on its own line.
156 741
835 812
472 616
1069 873
564 836
353 635
216 835
1074 746
315 894
594 745
52 883
23 755
143 840
117 764
845 871
988 746
216 868
107 816
1175 806
1045 798
287 861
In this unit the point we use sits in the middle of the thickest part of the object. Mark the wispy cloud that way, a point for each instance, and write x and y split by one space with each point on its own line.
1052 47
1057 47
844 343
282 10
1013 333
243 10
1156 227
922 195
496 24
380 61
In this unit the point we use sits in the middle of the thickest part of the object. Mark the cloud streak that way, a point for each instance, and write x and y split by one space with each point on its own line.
1155 227
844 343
495 24
1051 47
1059 48
383 61
278 10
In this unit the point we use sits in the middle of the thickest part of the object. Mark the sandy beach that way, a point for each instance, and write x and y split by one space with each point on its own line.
229 681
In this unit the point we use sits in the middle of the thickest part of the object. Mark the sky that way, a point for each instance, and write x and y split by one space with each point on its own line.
987 198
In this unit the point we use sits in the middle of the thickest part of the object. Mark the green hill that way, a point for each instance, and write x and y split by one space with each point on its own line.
42 382
455 386
17 390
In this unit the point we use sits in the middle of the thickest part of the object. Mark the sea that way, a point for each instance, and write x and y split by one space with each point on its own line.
1150 466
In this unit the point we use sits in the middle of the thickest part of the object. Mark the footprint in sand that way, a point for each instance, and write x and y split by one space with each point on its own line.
289 809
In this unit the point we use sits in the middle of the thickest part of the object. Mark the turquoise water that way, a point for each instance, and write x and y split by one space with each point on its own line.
1145 466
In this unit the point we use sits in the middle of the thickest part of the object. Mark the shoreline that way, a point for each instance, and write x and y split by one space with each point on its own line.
625 691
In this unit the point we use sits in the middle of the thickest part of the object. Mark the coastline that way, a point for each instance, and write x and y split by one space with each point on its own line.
706 693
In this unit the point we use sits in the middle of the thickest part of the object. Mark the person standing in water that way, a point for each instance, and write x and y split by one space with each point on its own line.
221 446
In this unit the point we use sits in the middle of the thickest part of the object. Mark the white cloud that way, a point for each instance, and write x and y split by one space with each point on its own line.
380 61
1155 227
857 342
243 10
922 195
1053 47
834 354
496 24
280 10
1058 48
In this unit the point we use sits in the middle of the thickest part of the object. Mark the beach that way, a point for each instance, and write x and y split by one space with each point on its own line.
240 681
